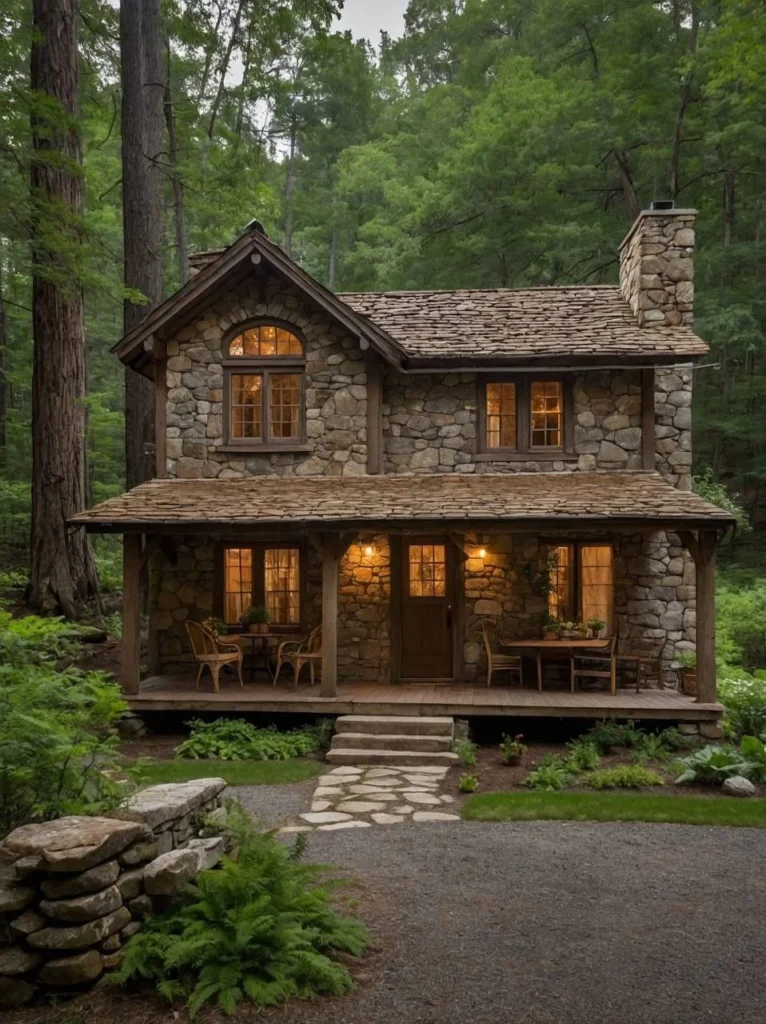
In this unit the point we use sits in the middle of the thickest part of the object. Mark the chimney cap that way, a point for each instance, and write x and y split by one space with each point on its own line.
662 204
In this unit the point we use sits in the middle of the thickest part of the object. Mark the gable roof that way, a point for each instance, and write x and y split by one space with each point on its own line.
535 325
617 498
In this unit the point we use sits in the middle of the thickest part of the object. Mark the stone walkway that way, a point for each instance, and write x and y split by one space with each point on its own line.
357 797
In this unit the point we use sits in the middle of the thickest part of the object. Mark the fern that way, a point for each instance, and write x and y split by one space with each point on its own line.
261 928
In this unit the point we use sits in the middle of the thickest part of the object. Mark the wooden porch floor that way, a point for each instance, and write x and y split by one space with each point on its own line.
175 693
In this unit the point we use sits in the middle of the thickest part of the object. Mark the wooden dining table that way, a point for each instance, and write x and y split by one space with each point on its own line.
241 639
570 647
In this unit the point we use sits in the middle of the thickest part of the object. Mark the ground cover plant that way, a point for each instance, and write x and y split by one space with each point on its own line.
261 928
745 704
466 751
235 739
468 783
624 776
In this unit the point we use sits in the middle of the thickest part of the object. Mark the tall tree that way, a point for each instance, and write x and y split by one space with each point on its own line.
143 92
62 571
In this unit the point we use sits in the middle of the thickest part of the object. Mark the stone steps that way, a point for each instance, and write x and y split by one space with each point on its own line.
392 740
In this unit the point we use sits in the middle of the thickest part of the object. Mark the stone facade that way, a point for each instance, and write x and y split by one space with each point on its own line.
673 425
364 611
657 268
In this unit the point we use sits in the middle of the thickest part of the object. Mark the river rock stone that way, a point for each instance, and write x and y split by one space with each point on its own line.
75 843
113 960
141 906
80 936
72 970
209 851
170 872
130 883
158 804
92 880
738 785
83 908
14 960
111 944
28 922
14 897
140 853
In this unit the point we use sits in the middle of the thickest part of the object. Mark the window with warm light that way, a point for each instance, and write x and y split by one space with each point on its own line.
524 415
581 583
269 577
427 570
560 595
263 385
547 414
501 415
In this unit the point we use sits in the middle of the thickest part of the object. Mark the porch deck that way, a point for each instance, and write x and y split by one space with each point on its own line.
176 693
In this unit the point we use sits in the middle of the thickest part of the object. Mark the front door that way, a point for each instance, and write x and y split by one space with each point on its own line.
426 624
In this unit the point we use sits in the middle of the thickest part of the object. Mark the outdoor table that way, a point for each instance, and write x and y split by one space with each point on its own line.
570 647
264 639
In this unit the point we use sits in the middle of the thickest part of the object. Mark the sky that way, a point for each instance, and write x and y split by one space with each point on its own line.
368 17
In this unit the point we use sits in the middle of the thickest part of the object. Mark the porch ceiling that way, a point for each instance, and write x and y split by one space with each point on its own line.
326 503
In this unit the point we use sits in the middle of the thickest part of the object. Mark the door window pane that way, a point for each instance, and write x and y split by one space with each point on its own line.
501 415
247 405
428 570
285 404
547 411
560 603
596 585
282 585
238 582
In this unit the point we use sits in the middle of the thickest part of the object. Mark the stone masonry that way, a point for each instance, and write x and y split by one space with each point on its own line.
657 267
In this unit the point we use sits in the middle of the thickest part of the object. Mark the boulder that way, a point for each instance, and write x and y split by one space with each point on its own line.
15 992
130 883
28 922
113 960
738 785
15 960
140 853
111 944
92 880
80 936
72 970
158 804
14 897
170 872
209 851
75 843
141 906
83 908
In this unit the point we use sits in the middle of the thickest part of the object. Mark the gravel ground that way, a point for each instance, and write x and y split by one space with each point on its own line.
553 923
274 805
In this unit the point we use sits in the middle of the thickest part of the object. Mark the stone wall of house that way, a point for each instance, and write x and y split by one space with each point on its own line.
673 425
180 590
364 612
657 268
336 393
430 424
73 890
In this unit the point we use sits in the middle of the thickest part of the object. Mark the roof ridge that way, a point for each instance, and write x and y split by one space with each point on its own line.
485 291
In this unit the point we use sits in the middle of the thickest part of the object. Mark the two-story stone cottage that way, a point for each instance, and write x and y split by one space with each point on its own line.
399 468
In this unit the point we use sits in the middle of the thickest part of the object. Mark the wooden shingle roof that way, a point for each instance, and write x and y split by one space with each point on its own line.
604 498
534 324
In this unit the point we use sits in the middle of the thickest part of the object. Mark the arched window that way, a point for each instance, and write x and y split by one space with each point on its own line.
264 368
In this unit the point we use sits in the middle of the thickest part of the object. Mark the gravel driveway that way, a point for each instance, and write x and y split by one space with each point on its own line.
553 923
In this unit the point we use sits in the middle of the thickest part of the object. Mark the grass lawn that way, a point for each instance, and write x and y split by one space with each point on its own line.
681 810
236 773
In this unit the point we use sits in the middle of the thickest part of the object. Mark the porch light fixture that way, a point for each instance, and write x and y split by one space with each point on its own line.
482 552
369 550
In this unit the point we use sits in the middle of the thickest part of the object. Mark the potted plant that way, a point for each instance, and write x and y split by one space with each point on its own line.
595 626
551 628
688 662
215 626
512 749
256 619
581 630
568 630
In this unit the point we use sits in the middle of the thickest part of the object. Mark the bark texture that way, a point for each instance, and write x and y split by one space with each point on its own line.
142 118
62 570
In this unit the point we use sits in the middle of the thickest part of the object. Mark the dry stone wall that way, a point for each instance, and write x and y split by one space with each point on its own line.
73 890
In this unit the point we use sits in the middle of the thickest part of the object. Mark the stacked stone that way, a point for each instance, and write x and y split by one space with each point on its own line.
364 611
73 890
673 430
429 423
657 269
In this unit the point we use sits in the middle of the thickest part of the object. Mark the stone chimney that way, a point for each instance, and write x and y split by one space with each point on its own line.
656 266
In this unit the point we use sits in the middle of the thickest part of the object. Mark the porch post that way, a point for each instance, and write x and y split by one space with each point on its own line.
702 549
130 668
333 547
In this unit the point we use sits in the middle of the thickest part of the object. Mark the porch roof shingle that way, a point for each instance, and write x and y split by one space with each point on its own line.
617 498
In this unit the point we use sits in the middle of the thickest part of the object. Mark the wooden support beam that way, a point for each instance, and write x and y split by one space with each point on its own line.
130 668
702 549
374 417
333 547
647 419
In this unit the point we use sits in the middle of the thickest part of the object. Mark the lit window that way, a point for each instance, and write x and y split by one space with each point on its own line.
238 585
265 577
428 575
282 585
546 407
596 583
561 579
264 372
501 415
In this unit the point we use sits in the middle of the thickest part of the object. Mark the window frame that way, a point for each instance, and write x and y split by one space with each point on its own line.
266 367
525 451
575 575
258 596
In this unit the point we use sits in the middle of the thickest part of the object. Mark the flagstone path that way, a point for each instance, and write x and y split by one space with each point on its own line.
358 797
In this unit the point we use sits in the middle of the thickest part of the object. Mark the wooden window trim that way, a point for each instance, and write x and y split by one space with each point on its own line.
259 580
524 451
264 366
576 569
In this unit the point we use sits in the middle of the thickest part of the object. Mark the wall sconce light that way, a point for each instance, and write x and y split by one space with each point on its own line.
369 550
482 552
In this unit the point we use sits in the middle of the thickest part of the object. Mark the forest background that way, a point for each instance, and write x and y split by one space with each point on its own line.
497 143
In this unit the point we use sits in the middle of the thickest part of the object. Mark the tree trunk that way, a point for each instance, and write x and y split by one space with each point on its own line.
626 180
223 70
729 196
182 243
62 570
289 189
142 116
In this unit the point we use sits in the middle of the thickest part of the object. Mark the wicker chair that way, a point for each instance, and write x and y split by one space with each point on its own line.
499 662
643 668
298 653
596 664
214 653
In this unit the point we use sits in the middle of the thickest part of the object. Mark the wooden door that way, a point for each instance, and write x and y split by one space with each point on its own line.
426 609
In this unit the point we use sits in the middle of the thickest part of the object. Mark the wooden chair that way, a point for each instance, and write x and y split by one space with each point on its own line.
214 653
644 668
298 653
597 664
499 662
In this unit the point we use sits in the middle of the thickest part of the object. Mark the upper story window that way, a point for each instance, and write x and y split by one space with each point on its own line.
264 370
524 417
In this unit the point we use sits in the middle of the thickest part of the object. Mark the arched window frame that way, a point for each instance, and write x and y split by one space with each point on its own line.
266 366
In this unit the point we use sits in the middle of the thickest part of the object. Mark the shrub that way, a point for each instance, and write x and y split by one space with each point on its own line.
260 929
550 777
512 748
583 754
673 739
56 741
745 703
234 739
624 776
712 764
468 784
651 748
607 735
753 752
466 751
740 614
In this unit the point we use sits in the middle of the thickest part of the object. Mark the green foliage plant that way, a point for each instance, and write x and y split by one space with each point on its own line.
512 748
712 490
468 784
466 751
235 739
608 735
583 754
753 751
745 704
551 777
712 765
624 776
260 929
255 615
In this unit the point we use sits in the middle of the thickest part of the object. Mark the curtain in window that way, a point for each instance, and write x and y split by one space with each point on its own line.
560 573
596 585
282 585
238 583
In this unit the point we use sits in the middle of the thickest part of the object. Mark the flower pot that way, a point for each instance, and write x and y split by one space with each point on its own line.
254 627
513 760
689 681
550 634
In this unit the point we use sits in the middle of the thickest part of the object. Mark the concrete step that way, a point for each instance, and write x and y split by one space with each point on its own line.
399 725
406 758
384 741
